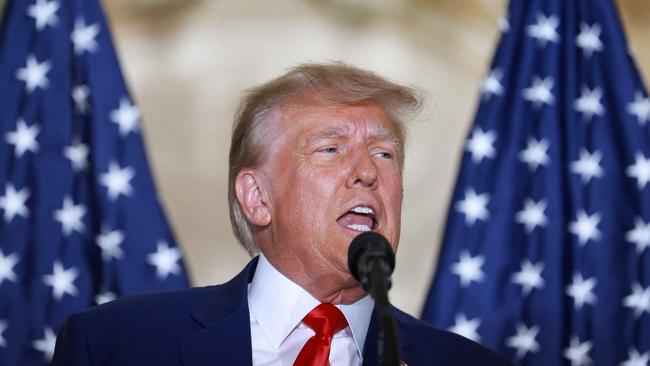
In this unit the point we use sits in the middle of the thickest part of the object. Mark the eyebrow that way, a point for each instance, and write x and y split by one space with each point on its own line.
329 133
389 136
383 134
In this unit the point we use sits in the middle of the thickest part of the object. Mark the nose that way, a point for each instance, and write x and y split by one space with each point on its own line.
364 171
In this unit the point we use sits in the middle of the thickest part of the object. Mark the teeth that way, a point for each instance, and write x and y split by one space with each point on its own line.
359 227
363 210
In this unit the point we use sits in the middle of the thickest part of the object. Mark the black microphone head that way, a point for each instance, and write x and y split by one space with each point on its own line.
366 245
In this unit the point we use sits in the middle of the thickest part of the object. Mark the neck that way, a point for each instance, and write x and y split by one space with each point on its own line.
333 287
335 296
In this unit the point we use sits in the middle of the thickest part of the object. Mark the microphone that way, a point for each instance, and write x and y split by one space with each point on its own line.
371 261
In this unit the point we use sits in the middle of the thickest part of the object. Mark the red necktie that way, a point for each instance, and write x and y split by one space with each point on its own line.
325 320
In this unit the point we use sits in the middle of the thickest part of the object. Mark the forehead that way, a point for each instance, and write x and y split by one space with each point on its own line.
331 120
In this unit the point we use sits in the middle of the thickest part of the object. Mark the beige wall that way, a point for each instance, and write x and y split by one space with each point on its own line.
189 61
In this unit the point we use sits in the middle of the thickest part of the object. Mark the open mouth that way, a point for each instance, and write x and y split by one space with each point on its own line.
359 218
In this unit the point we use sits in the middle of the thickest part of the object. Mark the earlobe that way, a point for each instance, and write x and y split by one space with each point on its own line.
251 198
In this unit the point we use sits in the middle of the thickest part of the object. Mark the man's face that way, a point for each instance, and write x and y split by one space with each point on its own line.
333 173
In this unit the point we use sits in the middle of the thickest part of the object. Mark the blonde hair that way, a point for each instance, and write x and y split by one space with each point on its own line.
335 83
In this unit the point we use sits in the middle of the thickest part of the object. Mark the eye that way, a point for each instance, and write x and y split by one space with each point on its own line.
329 149
384 155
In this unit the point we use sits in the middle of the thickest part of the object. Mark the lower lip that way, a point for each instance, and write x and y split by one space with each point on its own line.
356 232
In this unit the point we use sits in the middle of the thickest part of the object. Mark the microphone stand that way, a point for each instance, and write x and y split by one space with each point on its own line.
388 342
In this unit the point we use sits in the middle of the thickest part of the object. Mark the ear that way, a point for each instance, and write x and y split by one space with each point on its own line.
251 197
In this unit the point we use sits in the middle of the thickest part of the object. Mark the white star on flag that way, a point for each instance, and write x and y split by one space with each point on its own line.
532 215
640 235
636 359
3 327
529 277
62 280
585 227
544 30
165 259
13 202
524 341
109 241
7 264
480 144
639 300
504 25
589 103
640 108
70 216
80 94
83 37
46 344
492 84
474 206
104 297
126 116
468 268
582 291
34 74
23 138
578 353
77 153
44 13
535 153
589 39
117 180
466 327
540 91
587 165
640 170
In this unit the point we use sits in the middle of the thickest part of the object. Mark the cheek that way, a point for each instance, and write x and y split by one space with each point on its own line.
309 193
393 190
321 182
393 203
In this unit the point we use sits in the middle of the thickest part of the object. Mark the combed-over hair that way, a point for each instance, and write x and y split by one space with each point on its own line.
335 83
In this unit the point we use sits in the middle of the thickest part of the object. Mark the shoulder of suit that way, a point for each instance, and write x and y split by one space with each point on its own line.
150 305
168 312
442 344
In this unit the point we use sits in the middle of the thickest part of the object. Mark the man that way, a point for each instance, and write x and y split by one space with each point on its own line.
316 159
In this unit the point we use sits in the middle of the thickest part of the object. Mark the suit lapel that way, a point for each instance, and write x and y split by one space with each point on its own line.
224 337
370 349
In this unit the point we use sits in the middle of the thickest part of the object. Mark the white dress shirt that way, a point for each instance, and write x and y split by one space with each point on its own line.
277 306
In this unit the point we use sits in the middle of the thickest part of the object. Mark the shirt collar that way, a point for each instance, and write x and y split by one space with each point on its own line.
279 305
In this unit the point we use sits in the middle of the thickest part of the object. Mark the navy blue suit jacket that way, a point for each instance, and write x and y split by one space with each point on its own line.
211 326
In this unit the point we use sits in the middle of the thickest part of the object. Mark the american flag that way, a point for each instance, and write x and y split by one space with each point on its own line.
80 221
546 254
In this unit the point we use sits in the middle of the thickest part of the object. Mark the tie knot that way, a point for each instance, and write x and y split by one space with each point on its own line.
325 319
